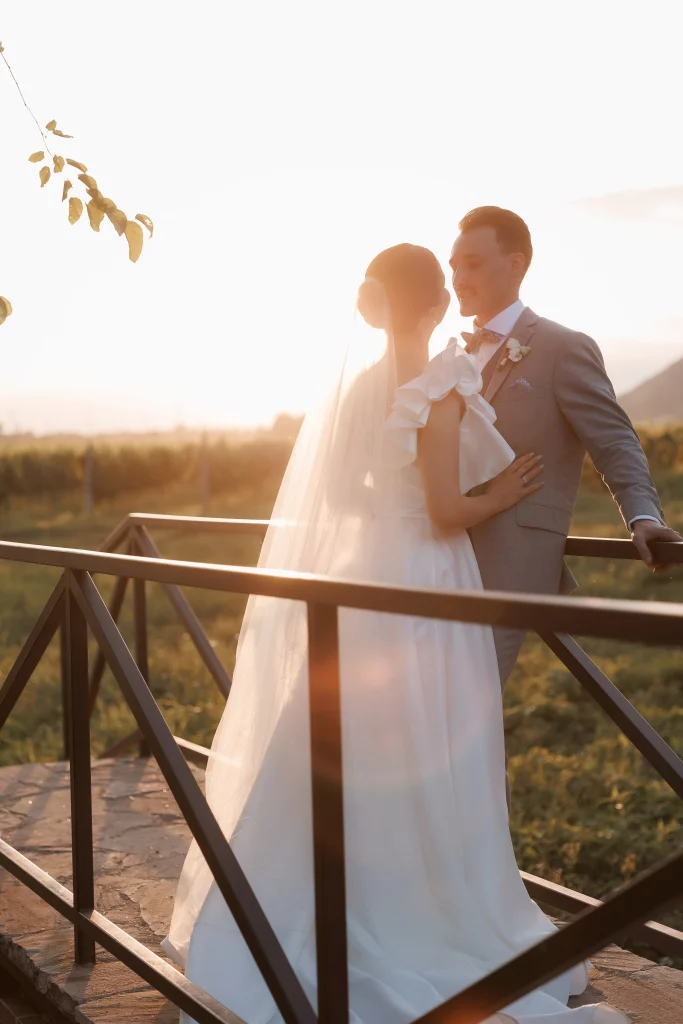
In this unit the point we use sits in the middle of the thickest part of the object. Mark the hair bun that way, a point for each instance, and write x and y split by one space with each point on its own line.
373 303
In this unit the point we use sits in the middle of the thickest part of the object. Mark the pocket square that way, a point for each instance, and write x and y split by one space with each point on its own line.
521 384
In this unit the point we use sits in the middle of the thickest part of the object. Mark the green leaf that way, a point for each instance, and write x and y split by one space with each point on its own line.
75 209
102 203
87 181
118 219
95 215
135 238
144 219
5 309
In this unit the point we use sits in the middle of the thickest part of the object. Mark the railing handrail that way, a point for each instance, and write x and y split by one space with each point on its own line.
201 524
647 621
591 547
622 548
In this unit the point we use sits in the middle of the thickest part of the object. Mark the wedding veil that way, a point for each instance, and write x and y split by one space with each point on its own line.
336 483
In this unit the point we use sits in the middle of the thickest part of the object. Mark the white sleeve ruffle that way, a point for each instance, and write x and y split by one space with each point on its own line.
483 451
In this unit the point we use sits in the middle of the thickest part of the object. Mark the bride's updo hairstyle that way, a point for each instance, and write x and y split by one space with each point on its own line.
401 285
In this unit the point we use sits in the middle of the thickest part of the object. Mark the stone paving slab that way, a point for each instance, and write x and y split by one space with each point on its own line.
140 843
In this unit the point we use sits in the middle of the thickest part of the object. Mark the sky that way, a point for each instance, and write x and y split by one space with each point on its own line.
279 147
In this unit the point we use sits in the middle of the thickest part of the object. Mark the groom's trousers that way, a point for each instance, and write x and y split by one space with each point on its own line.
516 557
508 643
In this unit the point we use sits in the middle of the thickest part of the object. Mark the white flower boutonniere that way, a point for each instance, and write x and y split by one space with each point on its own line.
514 352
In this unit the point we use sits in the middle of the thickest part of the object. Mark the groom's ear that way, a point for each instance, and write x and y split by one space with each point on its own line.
519 264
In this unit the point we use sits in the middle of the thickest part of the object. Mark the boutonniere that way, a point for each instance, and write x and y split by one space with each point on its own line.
514 352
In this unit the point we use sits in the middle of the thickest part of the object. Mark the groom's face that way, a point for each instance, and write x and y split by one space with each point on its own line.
483 275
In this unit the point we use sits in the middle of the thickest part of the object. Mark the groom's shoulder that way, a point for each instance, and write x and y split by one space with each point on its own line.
561 335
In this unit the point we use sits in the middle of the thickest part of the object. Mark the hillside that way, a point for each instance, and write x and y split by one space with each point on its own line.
659 398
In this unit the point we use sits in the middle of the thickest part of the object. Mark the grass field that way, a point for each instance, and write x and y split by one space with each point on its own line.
587 811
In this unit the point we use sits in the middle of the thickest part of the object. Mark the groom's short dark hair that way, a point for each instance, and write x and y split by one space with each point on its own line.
511 231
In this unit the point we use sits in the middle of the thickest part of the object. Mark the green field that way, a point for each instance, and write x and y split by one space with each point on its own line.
587 811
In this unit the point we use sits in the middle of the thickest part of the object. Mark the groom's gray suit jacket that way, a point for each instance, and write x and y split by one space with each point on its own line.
558 402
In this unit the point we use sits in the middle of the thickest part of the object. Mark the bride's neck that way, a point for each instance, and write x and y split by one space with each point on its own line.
412 355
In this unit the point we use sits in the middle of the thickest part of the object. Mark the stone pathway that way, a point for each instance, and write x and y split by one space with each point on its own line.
140 844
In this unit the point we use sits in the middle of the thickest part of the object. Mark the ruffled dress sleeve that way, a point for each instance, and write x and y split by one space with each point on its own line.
483 451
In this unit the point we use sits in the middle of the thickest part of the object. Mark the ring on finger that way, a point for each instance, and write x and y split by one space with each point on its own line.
524 480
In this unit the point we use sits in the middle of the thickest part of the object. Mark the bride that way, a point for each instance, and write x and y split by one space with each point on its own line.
376 490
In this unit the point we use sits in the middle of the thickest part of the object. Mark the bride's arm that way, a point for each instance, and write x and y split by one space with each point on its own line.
438 459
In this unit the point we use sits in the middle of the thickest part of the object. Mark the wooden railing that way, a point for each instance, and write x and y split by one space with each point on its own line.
77 606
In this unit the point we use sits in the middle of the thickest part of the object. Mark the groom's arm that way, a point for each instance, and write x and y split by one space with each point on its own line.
587 399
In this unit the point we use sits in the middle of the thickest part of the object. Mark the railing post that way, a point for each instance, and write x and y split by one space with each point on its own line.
141 649
79 750
100 662
183 609
328 814
64 666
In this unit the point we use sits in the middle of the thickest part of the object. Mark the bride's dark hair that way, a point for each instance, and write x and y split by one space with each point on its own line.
413 281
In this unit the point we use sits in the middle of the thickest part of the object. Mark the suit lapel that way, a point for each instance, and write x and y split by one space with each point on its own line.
490 368
522 331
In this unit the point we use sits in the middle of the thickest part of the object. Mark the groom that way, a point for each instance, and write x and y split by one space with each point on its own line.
552 396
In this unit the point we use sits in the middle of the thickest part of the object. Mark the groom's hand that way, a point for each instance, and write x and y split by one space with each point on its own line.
644 532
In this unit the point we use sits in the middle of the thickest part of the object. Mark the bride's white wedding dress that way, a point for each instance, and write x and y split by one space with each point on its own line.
435 899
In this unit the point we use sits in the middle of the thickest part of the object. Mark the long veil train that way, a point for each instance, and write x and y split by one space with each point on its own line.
327 499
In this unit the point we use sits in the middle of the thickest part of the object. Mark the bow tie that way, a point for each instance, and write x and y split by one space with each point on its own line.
474 341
